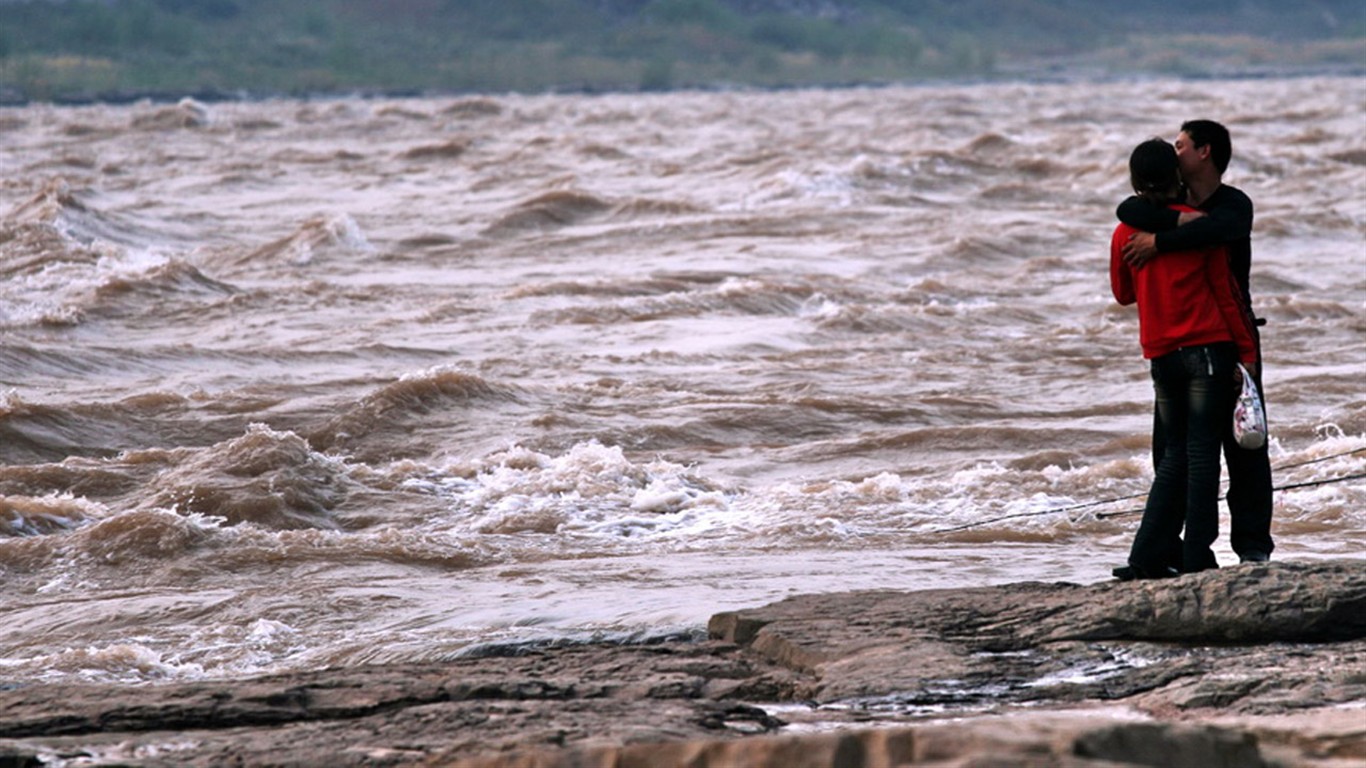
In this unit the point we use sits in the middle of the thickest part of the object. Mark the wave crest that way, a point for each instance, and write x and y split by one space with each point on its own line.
37 516
447 150
335 234
187 113
141 535
551 210
410 397
268 478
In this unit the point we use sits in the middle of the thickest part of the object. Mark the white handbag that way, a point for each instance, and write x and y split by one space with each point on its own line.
1249 417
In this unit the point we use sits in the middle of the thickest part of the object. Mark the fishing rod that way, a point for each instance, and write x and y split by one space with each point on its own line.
1108 515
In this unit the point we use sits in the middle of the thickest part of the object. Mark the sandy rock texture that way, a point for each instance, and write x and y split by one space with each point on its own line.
1254 666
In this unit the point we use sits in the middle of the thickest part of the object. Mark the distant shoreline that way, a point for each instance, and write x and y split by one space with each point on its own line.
1025 74
117 51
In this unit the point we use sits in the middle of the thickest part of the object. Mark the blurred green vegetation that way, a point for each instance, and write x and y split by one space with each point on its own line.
116 49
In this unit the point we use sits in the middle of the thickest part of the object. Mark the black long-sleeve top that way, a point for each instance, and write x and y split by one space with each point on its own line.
1228 222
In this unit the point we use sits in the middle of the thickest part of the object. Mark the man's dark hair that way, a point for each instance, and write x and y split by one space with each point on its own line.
1204 132
1153 170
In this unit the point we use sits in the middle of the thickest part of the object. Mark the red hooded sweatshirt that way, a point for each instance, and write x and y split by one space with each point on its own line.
1185 299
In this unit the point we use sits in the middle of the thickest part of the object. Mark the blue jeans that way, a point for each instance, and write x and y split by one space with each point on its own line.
1194 391
1249 487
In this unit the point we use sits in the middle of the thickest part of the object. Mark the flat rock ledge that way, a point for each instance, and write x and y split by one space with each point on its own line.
1253 666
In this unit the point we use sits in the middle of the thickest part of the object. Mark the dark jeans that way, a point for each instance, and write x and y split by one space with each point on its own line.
1194 393
1249 487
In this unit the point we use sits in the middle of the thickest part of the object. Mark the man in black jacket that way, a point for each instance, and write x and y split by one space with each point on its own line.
1225 218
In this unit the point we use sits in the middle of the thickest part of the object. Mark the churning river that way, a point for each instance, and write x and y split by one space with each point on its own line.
295 384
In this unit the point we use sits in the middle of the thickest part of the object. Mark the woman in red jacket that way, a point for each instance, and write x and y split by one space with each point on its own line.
1194 328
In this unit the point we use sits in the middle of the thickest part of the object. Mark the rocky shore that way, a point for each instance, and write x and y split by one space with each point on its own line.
1248 666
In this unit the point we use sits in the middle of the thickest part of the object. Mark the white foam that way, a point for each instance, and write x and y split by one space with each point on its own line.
122 662
61 292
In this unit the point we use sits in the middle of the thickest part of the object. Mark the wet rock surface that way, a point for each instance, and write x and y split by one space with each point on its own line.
1256 665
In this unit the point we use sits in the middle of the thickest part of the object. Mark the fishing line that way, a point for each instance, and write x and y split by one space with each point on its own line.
1289 487
1315 461
1106 516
